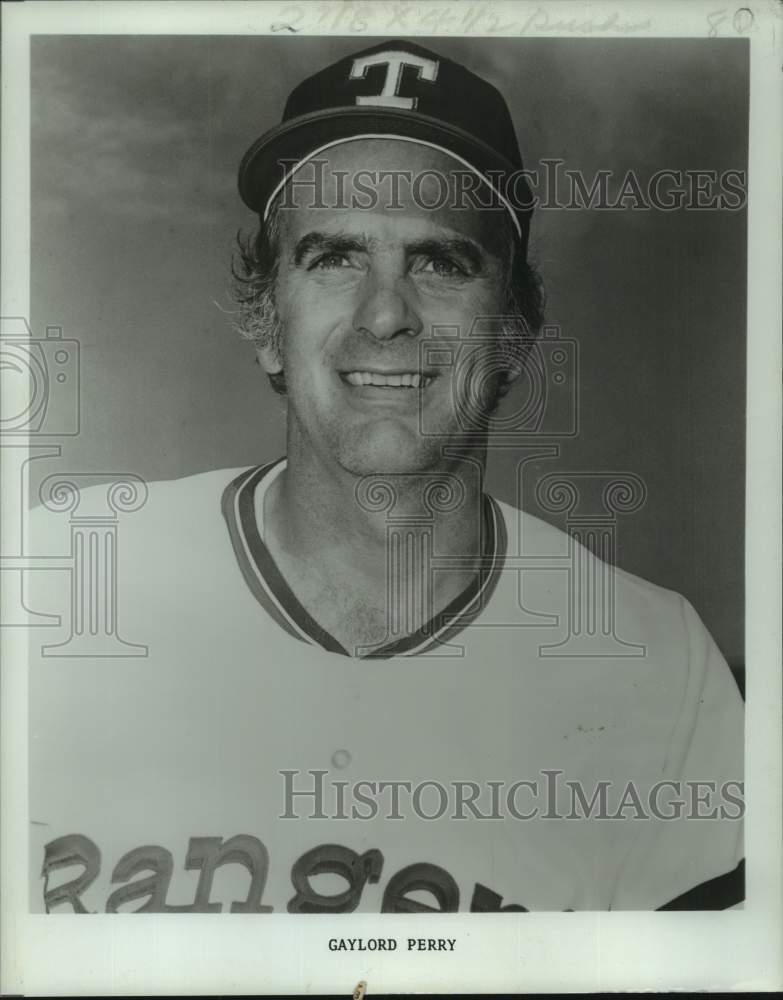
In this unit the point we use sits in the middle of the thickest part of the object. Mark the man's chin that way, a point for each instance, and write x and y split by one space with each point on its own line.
390 450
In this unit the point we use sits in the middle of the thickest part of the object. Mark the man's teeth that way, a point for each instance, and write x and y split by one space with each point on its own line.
409 380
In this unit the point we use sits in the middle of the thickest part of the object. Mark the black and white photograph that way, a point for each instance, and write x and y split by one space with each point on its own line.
383 457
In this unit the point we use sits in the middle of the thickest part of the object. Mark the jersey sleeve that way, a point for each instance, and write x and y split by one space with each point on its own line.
689 855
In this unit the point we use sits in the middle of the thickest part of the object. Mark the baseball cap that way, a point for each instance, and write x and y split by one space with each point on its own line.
393 90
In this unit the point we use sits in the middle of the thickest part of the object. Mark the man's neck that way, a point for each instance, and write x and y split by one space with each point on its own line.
352 542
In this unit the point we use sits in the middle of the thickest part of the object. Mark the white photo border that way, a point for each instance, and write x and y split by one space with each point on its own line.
536 952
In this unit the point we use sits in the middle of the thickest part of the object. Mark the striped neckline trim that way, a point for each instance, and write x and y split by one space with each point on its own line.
267 584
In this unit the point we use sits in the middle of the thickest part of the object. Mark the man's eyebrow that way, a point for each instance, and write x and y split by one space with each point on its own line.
460 247
328 243
448 246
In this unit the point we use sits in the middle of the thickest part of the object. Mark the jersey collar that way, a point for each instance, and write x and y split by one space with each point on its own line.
244 496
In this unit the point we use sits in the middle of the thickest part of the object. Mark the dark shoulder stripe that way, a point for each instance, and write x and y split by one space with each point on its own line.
260 569
280 589
484 593
228 503
718 893
464 609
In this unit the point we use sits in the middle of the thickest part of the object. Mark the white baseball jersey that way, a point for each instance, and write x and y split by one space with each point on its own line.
247 764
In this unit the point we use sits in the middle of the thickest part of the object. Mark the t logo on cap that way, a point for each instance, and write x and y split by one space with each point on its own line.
394 62
445 106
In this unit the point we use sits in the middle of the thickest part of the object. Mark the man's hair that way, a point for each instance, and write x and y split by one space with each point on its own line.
257 320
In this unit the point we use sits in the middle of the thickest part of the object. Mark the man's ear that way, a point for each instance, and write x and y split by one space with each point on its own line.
269 358
518 360
513 372
514 369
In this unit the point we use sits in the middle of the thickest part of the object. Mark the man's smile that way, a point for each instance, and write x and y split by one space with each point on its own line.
400 379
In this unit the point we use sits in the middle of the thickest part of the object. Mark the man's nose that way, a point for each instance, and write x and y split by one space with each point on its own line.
385 310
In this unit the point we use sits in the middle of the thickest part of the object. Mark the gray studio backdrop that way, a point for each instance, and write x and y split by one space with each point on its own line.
135 146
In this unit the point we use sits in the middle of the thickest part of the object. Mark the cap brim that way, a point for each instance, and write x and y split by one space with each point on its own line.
263 168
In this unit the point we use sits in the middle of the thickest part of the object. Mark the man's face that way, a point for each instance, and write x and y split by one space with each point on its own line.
358 290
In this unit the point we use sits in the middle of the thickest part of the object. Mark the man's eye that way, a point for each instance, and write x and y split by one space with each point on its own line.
329 261
443 266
